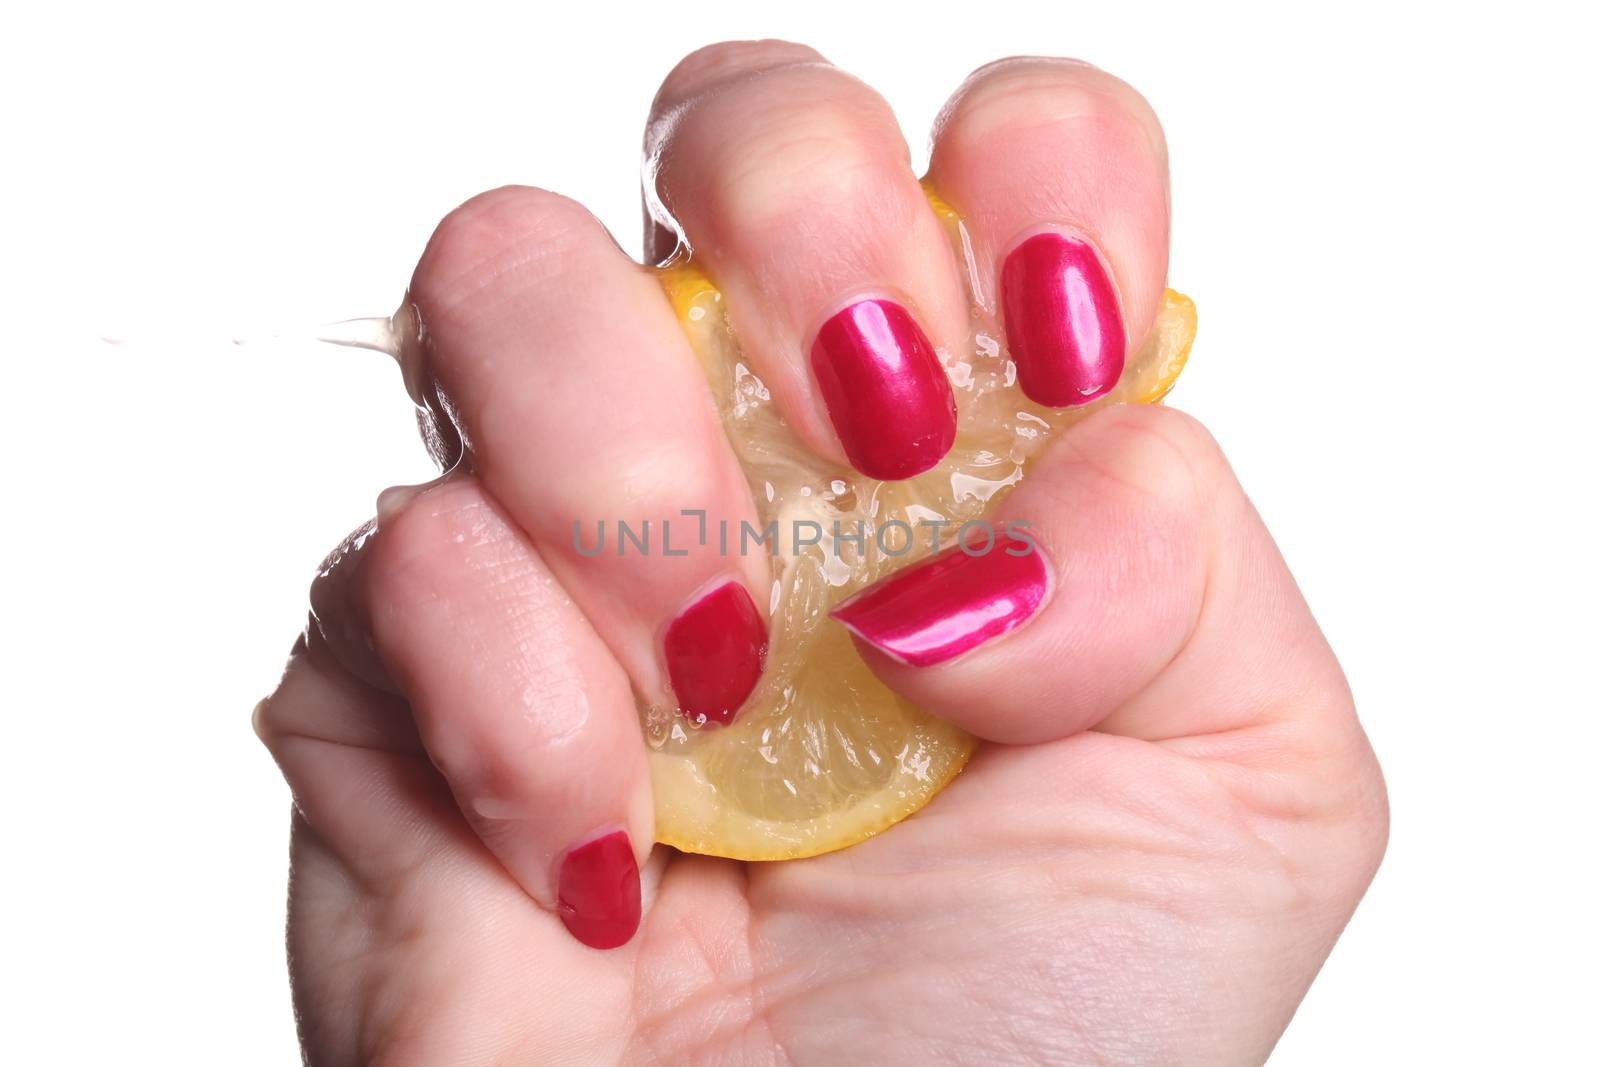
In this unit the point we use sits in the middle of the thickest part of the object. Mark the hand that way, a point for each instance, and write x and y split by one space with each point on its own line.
1178 813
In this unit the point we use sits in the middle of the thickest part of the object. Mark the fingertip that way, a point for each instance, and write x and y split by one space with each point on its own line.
715 649
715 64
792 184
943 608
1108 591
597 890
1032 146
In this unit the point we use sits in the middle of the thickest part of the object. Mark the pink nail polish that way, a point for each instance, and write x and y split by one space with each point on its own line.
715 648
939 608
597 892
1063 326
885 390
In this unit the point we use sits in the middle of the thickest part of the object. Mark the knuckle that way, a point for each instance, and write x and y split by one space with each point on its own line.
337 620
418 547
1341 793
791 174
331 584
1372 812
716 64
1375 819
535 714
274 716
514 232
811 146
1186 437
1041 95
774 120
489 778
1160 454
637 486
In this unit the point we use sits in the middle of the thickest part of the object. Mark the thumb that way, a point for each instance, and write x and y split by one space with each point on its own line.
1138 593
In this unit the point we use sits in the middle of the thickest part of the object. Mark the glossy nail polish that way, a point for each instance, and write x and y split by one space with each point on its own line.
937 609
715 648
1063 326
885 390
597 892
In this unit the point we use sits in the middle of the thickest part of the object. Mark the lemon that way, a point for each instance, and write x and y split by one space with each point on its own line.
823 755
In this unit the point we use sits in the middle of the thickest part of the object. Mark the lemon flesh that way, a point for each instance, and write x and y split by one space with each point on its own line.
823 755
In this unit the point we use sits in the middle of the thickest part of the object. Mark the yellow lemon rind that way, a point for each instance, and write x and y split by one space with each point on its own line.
843 828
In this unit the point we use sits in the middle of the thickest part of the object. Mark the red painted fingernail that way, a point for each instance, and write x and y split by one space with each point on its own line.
885 390
715 648
597 893
1063 326
942 607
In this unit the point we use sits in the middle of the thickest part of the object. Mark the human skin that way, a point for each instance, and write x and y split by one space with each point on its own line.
1176 811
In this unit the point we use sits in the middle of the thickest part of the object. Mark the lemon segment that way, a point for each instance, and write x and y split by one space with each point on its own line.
823 755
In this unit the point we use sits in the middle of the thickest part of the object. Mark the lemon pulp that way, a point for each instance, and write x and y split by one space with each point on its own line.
823 755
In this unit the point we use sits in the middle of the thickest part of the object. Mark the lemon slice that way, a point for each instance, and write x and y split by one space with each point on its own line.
823 755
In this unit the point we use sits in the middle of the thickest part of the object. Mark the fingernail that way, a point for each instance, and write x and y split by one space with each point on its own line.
715 648
597 893
1063 326
885 390
942 607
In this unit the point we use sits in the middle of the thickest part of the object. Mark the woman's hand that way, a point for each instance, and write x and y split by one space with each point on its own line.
1179 813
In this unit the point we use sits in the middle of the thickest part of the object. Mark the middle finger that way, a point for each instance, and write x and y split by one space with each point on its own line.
791 183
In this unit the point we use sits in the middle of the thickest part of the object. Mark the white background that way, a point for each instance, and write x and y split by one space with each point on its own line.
1388 220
